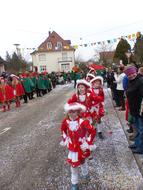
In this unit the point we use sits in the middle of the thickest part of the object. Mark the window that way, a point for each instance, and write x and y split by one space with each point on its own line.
42 68
65 67
49 45
42 57
59 45
64 56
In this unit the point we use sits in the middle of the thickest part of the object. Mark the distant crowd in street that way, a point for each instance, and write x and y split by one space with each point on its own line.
26 86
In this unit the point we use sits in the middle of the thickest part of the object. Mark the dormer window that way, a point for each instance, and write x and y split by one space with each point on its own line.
49 45
59 45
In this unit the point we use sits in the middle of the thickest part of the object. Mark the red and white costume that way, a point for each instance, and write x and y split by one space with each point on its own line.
6 94
75 134
97 108
18 89
17 86
85 99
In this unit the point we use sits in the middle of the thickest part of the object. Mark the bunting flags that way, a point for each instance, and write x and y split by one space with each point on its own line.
130 37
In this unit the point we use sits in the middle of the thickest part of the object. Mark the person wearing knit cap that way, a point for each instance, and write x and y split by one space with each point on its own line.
131 72
77 136
134 95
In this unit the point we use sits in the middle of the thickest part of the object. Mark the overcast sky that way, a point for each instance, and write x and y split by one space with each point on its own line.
27 22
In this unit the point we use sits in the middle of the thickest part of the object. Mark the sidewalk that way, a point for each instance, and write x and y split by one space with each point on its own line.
138 157
114 167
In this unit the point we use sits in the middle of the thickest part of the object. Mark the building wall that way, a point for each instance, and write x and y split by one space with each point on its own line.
53 61
2 68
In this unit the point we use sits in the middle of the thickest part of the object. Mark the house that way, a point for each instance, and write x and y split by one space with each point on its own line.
106 57
54 54
2 65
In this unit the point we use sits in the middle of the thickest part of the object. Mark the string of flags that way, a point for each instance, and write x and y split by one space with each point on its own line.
130 37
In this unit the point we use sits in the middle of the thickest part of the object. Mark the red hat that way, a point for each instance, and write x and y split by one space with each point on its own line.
74 107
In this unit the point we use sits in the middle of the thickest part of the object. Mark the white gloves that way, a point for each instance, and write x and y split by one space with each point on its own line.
62 143
85 146
92 147
66 142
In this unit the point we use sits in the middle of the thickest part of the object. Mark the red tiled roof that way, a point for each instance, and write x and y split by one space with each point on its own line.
54 38
107 54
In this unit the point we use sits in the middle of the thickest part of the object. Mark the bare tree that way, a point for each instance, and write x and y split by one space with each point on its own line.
78 59
103 54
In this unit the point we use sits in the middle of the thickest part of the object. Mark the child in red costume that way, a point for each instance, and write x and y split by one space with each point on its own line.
6 94
18 89
85 97
97 108
89 77
77 135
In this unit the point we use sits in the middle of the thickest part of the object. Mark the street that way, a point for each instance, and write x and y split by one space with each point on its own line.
32 159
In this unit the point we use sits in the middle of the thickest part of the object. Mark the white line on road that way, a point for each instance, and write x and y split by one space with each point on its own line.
4 130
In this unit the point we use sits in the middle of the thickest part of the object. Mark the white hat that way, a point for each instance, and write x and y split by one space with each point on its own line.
90 75
97 78
74 106
91 69
12 75
84 82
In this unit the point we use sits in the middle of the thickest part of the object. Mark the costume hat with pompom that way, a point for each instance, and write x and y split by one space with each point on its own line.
74 107
97 78
83 82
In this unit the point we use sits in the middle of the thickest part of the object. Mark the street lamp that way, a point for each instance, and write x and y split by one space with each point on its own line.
128 55
17 48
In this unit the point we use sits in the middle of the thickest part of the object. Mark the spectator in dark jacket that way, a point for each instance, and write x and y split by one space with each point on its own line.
134 94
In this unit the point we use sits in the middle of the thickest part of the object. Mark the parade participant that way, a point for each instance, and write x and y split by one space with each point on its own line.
77 135
97 107
6 94
89 77
32 82
27 85
83 96
92 71
18 89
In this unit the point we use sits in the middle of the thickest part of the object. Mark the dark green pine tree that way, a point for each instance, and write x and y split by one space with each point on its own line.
15 63
121 49
138 49
8 57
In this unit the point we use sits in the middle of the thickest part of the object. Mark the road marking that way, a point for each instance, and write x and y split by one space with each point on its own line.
4 130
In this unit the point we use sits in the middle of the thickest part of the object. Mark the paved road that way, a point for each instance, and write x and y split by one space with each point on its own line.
31 158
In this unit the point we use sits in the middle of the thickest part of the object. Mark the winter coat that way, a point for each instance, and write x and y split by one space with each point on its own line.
134 94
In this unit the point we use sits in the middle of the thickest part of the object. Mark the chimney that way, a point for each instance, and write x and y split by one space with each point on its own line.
49 33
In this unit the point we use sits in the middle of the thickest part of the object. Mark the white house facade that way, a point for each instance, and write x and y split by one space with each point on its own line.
2 67
54 54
